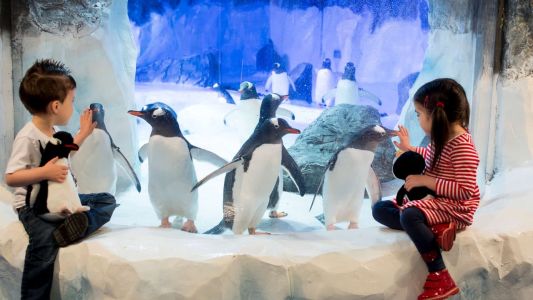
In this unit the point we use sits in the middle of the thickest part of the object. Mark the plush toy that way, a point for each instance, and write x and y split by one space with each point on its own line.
55 198
410 163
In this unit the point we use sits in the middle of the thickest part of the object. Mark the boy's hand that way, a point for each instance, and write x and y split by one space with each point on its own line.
86 126
404 143
55 172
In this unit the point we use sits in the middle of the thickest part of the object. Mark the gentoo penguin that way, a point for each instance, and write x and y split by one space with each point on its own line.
346 174
54 199
247 113
279 81
251 176
223 95
171 173
325 81
94 165
348 91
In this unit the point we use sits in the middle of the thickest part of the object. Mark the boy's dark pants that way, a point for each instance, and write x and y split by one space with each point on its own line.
42 249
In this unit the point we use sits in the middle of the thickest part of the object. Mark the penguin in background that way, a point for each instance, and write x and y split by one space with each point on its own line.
347 173
251 176
248 111
171 173
53 200
325 81
93 165
279 81
348 91
223 95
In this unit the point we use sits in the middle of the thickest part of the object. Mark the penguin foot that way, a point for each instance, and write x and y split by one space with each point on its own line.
274 214
252 231
331 227
165 223
189 227
353 225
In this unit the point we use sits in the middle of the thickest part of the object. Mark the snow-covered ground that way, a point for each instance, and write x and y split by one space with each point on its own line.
130 258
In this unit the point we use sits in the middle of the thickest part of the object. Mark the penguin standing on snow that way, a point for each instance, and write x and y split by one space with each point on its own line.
54 199
346 174
279 81
325 81
251 176
245 117
94 164
348 91
171 173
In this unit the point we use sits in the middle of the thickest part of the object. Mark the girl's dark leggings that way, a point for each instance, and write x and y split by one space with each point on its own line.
413 221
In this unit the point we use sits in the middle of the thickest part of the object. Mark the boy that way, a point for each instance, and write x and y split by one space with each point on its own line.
47 91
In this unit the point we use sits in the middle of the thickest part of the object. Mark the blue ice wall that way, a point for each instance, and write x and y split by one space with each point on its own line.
201 42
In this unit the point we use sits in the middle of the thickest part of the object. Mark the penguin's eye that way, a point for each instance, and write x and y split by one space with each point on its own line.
276 126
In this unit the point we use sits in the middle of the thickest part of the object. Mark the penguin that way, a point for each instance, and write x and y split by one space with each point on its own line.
325 81
223 95
279 81
171 172
348 91
94 165
251 176
54 199
346 174
245 117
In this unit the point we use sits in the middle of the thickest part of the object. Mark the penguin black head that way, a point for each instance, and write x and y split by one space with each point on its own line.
59 146
98 114
248 91
369 137
326 64
349 71
161 117
269 106
272 130
278 68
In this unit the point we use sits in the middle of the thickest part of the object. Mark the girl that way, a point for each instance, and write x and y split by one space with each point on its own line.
451 167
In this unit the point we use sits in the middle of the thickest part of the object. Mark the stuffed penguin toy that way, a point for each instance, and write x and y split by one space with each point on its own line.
53 198
410 163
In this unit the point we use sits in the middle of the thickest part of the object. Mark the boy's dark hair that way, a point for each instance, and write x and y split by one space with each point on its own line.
445 101
45 81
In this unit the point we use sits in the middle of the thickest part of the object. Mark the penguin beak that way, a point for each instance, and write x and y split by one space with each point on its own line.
135 113
390 132
292 130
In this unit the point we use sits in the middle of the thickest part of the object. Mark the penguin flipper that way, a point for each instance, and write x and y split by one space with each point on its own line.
321 218
319 187
373 186
218 229
285 113
207 156
125 164
224 169
366 94
290 166
143 153
227 96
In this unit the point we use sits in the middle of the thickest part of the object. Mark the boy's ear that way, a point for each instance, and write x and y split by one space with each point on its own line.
54 106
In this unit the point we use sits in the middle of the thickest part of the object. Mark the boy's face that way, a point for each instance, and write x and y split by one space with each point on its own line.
424 119
65 109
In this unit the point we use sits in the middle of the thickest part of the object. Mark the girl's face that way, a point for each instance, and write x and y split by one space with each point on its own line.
424 119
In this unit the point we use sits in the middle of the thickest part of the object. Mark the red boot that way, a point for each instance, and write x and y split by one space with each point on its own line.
445 234
439 285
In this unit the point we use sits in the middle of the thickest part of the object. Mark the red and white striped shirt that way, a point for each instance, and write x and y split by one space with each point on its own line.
457 190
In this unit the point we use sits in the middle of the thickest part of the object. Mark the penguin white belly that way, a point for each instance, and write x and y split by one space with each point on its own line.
94 165
171 176
344 187
61 195
347 92
251 189
280 84
324 83
246 117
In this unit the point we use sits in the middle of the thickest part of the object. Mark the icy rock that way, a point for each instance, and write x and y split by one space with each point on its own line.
318 142
403 90
518 46
302 76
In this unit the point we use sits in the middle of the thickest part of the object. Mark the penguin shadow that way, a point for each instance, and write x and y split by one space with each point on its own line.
282 226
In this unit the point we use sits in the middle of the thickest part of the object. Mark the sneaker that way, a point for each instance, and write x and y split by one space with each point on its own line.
71 230
439 285
445 235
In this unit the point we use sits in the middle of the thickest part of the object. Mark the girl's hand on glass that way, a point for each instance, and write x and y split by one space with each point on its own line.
403 135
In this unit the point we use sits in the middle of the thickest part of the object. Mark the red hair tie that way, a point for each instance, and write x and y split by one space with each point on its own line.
440 104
